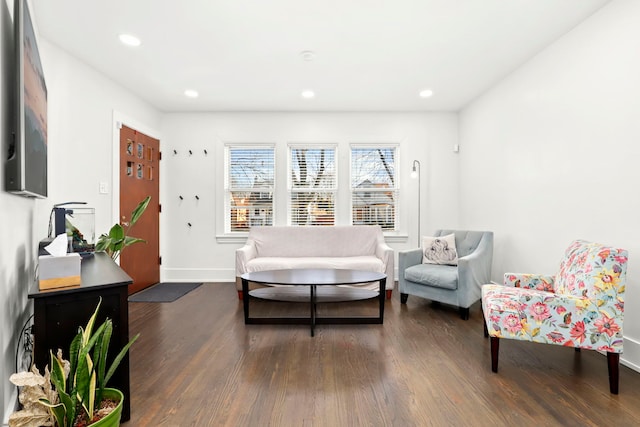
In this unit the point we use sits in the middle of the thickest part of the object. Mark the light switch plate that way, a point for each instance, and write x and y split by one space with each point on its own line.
104 188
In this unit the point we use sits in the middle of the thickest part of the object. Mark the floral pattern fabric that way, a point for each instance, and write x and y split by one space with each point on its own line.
583 306
530 281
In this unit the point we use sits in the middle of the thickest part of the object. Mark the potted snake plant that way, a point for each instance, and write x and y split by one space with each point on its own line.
74 393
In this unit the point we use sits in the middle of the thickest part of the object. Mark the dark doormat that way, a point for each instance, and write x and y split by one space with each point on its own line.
163 292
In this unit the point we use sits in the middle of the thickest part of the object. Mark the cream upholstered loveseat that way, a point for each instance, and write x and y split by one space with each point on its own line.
360 247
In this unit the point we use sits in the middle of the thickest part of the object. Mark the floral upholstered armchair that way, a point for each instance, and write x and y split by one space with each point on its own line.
581 307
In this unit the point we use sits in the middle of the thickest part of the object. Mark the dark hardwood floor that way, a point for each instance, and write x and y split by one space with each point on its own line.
197 364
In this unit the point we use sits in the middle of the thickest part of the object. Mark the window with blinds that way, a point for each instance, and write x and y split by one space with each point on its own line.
312 185
374 191
249 173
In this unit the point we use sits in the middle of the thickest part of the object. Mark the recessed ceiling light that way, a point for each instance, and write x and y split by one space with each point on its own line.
130 40
308 94
190 93
426 93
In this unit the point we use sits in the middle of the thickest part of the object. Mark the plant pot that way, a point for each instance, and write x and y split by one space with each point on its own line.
113 419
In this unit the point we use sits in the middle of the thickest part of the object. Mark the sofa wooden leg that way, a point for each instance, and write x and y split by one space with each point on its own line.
464 313
495 346
403 298
613 360
240 295
389 291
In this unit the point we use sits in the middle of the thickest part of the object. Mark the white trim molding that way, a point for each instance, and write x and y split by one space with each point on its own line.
198 274
12 405
631 356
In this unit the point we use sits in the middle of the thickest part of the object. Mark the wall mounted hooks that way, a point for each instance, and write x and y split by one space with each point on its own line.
175 152
197 197
181 198
189 224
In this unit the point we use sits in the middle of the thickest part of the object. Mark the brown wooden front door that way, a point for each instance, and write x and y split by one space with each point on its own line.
139 173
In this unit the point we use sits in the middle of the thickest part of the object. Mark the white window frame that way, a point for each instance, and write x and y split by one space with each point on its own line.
228 189
305 189
395 189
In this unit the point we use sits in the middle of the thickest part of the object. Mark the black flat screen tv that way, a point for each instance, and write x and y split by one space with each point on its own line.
26 165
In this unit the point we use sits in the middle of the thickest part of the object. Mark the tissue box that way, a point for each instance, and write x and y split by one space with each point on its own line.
59 271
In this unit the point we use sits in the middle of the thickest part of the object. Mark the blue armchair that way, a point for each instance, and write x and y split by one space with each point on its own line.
459 285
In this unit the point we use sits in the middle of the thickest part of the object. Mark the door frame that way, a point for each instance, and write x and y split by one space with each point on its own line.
120 119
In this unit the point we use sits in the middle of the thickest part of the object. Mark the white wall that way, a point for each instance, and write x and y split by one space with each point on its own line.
81 105
195 254
551 154
18 240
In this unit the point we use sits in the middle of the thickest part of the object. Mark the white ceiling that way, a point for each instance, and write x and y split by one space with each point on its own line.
370 55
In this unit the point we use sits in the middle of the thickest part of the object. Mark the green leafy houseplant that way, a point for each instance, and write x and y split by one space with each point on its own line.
74 390
118 237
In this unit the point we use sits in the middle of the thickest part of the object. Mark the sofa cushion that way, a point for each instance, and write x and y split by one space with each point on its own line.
438 276
369 263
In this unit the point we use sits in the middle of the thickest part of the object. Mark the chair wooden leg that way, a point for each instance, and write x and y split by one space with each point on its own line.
240 295
464 313
484 323
495 346
389 291
613 360
403 298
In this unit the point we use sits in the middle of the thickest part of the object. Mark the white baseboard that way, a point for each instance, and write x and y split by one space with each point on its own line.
631 356
198 275
12 404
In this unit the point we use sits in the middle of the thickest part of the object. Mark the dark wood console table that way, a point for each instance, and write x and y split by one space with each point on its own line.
59 312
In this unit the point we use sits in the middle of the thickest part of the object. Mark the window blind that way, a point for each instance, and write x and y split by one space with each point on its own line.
373 186
312 185
249 187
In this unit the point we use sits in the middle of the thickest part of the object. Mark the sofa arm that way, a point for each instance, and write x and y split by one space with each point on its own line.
474 271
539 282
408 258
385 253
244 255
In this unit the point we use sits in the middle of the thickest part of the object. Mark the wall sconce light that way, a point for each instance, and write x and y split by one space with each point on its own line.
415 173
